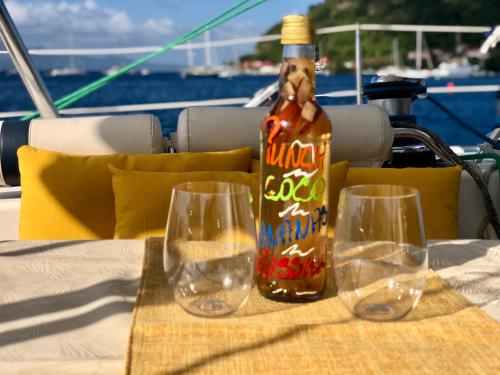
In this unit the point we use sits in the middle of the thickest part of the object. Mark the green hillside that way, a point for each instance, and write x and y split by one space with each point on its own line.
377 45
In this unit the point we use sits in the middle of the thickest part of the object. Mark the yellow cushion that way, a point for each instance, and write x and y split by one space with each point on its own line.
71 196
142 199
438 189
255 166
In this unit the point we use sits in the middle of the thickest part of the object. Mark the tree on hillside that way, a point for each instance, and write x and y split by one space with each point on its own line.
377 45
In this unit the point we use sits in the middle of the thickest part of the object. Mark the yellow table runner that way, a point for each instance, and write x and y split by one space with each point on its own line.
445 334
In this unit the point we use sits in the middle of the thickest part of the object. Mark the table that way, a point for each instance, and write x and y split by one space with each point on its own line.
66 307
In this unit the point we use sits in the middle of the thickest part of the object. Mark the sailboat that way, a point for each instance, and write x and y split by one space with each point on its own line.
70 70
454 68
402 71
206 70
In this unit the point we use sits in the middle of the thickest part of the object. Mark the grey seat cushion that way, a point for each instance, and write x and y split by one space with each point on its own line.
361 134
98 135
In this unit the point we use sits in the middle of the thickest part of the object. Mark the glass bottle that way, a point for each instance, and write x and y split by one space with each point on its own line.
294 156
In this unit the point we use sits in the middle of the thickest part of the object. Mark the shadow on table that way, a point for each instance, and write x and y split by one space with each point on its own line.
38 249
62 325
439 300
478 284
288 334
69 300
443 255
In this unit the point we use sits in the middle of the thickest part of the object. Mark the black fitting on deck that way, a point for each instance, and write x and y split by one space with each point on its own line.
13 134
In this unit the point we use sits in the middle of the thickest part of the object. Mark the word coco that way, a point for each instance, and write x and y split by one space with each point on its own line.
289 189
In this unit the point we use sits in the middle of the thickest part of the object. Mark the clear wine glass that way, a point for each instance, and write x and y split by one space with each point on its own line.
210 247
380 253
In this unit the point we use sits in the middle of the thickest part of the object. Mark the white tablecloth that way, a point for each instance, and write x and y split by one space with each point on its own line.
66 307
473 268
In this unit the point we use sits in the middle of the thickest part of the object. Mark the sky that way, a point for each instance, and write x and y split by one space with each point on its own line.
124 23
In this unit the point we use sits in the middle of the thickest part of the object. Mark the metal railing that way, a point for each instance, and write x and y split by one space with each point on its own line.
356 28
42 100
246 101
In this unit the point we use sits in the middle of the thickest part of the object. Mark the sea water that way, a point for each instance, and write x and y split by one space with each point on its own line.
478 109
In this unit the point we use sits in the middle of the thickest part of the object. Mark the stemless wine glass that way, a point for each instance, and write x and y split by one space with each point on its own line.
380 253
210 247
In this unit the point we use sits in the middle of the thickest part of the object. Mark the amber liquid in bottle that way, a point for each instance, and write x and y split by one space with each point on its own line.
295 155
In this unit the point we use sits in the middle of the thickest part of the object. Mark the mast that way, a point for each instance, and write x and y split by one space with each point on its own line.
208 51
418 51
72 56
395 52
24 65
428 55
190 56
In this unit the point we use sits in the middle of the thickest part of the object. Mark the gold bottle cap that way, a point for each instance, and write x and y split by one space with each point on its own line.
296 29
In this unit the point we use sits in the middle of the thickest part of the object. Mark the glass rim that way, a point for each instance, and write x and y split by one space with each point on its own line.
405 191
238 189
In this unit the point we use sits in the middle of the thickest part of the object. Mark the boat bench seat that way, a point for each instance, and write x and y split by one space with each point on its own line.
98 135
361 134
94 135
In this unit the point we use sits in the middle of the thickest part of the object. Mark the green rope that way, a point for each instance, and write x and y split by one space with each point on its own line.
223 17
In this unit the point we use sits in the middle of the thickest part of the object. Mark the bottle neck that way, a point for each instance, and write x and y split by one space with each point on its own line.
298 74
305 51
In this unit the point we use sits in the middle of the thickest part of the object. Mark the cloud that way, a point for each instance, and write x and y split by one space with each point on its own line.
90 24
86 23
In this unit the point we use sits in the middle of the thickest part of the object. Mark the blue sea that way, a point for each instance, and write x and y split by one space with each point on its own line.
477 109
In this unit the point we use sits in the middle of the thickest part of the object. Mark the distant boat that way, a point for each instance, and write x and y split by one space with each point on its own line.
229 72
260 68
115 68
199 71
456 69
447 69
68 71
111 70
403 72
268 70
324 72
